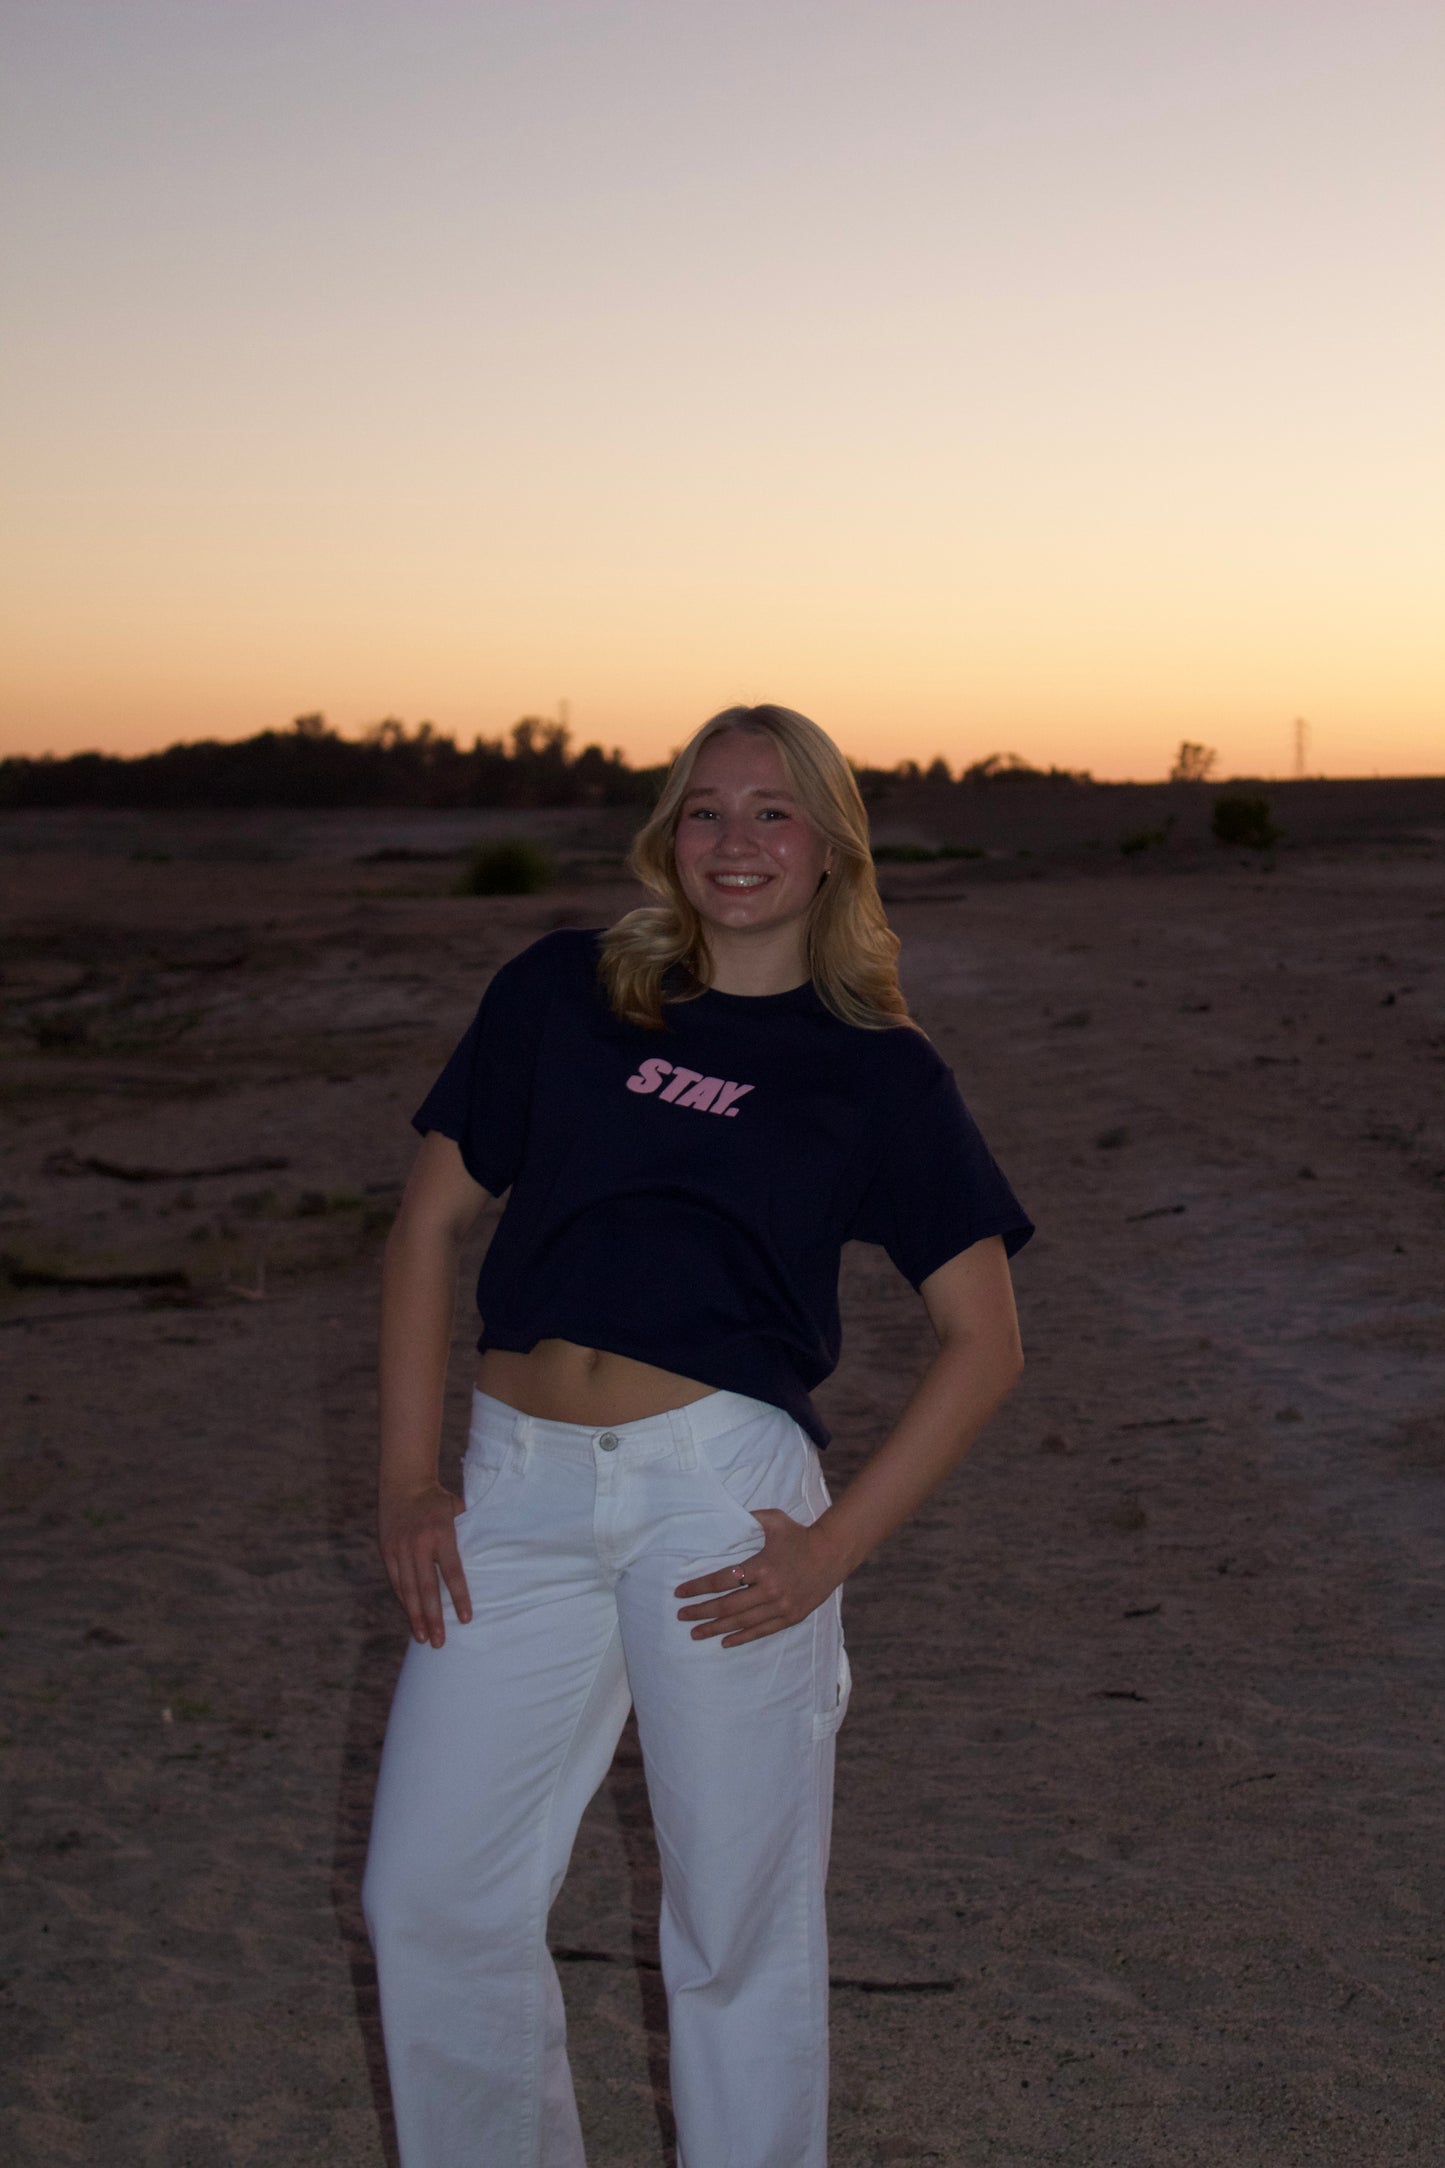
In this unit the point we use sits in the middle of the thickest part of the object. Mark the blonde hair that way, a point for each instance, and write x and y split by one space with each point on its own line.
852 951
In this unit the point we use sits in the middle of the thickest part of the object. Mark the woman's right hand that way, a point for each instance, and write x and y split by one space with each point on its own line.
418 1541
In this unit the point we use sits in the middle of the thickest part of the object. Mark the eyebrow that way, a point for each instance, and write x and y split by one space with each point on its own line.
706 790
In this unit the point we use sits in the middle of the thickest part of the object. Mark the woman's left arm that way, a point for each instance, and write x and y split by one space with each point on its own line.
978 1361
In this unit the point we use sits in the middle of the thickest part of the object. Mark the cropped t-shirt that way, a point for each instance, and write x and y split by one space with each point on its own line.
682 1196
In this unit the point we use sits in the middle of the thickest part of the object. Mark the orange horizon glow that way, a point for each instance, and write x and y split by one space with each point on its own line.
1038 378
1283 770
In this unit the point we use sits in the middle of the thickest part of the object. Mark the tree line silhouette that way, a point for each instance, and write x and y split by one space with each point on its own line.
313 766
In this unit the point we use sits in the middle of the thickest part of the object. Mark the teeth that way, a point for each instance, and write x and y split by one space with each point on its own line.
740 880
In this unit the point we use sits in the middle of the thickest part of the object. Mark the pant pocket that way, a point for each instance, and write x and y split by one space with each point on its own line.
834 1673
482 1466
761 1464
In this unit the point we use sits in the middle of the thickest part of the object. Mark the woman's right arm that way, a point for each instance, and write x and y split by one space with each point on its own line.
415 1513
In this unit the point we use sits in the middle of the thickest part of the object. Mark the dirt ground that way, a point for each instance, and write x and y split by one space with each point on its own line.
1138 1856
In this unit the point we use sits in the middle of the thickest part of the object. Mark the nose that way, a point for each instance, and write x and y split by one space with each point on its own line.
735 837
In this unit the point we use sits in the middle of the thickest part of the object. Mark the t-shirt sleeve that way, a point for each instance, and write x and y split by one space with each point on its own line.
937 1188
483 1096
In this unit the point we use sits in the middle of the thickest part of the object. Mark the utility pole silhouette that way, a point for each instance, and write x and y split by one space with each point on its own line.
1301 747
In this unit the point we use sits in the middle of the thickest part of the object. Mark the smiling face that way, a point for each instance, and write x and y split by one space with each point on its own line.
748 856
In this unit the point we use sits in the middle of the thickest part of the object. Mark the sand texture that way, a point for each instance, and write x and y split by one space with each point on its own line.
1138 1855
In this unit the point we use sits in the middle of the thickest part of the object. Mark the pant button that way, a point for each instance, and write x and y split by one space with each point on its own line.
609 1441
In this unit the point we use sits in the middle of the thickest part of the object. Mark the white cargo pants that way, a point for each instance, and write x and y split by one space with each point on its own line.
573 1541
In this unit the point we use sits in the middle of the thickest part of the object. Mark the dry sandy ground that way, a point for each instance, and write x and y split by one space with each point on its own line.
1138 1855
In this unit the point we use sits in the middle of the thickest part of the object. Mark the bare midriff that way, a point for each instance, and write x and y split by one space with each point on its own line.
560 1382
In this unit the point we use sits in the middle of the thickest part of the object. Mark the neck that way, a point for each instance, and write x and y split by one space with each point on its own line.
760 963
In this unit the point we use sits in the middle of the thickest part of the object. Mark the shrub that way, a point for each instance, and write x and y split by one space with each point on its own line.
511 868
1146 839
1240 820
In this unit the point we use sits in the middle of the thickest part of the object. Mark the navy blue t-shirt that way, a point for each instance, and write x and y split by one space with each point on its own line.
682 1196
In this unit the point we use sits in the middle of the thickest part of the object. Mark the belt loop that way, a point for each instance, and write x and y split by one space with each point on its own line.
682 1437
523 1431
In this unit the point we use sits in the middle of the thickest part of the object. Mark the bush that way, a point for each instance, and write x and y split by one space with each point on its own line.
1239 820
1135 840
513 868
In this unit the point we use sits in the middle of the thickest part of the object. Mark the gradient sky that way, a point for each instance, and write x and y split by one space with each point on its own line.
1059 376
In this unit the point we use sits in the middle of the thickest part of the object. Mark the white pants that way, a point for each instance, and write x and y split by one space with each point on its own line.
572 1542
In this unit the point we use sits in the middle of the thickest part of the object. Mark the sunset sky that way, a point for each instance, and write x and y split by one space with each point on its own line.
1056 376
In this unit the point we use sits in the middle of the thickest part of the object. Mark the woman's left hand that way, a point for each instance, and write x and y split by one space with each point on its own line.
790 1576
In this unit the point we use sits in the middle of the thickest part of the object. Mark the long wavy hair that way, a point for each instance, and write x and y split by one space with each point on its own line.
659 952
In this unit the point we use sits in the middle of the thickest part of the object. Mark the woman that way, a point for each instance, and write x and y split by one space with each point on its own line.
692 1112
